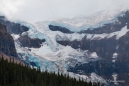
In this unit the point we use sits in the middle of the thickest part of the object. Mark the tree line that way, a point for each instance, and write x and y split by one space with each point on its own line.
13 74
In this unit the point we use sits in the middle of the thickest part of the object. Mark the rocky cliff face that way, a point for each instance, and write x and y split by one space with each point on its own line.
113 51
59 28
26 41
18 29
6 42
13 28
106 46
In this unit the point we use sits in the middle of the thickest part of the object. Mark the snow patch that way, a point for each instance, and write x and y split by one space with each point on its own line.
96 78
77 76
74 36
115 55
93 55
15 36
113 60
123 31
44 49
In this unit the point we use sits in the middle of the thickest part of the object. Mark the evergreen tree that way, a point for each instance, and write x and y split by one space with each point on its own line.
12 74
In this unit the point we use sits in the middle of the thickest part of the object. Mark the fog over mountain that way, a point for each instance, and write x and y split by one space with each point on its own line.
86 39
41 10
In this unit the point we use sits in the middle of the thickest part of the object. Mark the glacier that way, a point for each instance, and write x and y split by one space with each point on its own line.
94 21
53 56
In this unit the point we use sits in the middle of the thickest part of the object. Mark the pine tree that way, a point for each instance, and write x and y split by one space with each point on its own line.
12 74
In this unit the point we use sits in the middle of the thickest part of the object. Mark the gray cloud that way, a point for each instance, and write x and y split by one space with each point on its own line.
10 7
40 10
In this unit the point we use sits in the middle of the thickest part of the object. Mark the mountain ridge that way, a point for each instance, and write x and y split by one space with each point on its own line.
74 52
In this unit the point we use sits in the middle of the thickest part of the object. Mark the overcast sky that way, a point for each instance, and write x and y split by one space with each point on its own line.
41 10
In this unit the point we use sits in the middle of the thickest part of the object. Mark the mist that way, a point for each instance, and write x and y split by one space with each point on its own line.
43 10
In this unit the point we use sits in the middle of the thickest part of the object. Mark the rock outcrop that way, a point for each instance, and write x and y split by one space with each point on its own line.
7 45
13 28
26 41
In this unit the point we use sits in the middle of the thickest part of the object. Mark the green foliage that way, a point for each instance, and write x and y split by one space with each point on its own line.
12 74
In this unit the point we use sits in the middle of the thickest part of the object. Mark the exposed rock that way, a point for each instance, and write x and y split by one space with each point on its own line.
6 42
59 28
13 28
26 41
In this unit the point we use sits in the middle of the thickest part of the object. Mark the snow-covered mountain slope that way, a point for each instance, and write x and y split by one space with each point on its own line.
52 51
39 45
93 21
52 55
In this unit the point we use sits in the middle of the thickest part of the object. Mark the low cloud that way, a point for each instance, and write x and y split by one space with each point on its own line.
41 10
10 8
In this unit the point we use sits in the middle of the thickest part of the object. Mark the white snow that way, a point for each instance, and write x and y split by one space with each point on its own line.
44 49
113 60
118 34
114 55
83 23
63 54
123 31
15 36
98 36
77 76
93 55
96 78
76 36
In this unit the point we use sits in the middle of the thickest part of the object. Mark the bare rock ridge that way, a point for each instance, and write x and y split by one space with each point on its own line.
59 28
28 42
6 42
13 28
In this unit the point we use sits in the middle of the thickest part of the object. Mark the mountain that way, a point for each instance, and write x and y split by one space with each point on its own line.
7 46
93 48
6 42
